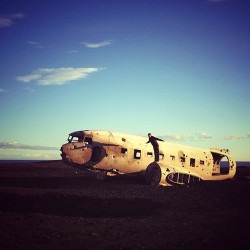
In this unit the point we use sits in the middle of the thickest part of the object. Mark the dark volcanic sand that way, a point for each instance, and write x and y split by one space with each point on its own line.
49 205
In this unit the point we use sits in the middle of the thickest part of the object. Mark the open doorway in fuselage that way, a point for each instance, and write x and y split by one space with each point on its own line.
221 164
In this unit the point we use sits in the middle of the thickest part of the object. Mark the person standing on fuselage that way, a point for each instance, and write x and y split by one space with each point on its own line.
153 140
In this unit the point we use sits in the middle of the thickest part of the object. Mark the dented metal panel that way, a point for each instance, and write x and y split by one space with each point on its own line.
113 152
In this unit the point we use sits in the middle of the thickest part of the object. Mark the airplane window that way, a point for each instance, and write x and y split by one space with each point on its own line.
192 162
80 139
161 156
202 162
74 138
182 159
149 154
124 150
88 140
172 157
137 154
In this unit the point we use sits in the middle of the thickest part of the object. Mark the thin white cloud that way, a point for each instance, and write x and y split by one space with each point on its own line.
9 20
35 45
204 135
97 45
56 76
179 138
234 137
173 138
17 145
23 154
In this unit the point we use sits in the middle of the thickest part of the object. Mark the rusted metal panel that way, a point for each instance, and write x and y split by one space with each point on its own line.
116 152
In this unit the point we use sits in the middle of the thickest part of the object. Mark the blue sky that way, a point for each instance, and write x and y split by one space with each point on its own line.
176 68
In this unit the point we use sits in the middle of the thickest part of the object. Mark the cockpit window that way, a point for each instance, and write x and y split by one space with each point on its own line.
76 137
79 136
88 140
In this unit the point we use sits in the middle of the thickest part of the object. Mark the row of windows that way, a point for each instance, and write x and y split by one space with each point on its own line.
137 155
192 161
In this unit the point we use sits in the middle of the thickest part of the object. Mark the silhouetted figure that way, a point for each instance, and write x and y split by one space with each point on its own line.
153 140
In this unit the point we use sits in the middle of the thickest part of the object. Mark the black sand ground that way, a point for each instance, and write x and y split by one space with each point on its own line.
53 206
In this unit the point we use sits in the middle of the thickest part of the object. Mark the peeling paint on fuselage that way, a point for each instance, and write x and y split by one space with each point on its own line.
178 164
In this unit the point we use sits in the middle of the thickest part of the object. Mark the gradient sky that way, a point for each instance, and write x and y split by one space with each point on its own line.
179 69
